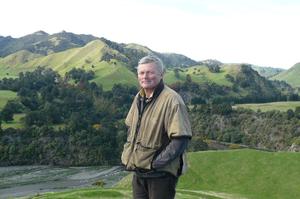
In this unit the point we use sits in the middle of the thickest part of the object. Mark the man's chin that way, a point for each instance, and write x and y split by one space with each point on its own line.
147 87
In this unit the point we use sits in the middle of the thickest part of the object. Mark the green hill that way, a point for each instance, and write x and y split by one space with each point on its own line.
237 83
199 74
88 57
291 76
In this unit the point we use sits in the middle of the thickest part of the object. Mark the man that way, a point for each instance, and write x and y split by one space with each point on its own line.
158 134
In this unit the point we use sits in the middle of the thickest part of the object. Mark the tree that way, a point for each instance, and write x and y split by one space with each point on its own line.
8 111
0 123
176 73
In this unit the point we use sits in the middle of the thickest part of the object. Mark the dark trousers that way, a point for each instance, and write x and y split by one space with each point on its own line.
154 188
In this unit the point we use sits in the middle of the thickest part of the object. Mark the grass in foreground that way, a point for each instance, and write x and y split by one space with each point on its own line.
232 174
96 193
245 173
280 106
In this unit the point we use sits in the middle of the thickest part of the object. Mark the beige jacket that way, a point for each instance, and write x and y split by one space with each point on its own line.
164 118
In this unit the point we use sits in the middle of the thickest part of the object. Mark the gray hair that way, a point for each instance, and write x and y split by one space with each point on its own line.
153 59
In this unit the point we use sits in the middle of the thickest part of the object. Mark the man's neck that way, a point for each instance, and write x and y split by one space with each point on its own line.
149 92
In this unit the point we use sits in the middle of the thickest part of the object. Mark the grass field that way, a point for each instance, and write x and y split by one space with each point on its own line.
232 174
246 173
5 96
280 106
16 123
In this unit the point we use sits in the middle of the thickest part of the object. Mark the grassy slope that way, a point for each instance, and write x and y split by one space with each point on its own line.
248 173
281 106
62 62
291 76
5 96
109 74
199 74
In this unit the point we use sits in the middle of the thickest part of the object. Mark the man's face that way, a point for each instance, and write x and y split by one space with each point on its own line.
149 75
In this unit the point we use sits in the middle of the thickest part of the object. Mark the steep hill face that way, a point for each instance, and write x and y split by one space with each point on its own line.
134 52
256 85
291 76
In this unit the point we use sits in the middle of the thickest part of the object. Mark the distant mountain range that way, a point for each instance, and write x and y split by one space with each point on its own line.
112 62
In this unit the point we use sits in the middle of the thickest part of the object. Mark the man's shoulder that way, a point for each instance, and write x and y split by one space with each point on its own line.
169 93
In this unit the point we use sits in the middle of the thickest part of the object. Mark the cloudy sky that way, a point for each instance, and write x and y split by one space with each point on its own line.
259 32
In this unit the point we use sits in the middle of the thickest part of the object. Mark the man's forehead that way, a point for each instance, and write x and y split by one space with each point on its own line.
148 66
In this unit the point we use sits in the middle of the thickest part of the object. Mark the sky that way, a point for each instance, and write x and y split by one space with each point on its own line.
258 32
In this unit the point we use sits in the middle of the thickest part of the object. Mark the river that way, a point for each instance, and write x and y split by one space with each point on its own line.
17 181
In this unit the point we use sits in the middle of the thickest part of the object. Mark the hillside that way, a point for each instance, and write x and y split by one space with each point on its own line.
88 57
14 62
241 174
237 83
291 76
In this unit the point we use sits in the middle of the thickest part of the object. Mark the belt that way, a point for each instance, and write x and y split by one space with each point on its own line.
142 173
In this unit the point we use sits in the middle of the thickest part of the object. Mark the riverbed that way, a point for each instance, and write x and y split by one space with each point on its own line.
19 181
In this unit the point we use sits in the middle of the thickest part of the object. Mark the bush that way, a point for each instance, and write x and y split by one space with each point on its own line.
234 146
99 183
197 144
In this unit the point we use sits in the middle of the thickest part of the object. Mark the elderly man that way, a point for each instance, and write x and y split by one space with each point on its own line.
158 134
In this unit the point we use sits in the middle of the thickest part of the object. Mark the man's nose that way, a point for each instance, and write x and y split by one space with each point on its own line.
145 75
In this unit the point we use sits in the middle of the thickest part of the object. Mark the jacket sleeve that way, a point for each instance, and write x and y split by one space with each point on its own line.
174 149
177 122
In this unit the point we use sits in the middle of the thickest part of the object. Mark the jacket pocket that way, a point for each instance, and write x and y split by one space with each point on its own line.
143 156
127 150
